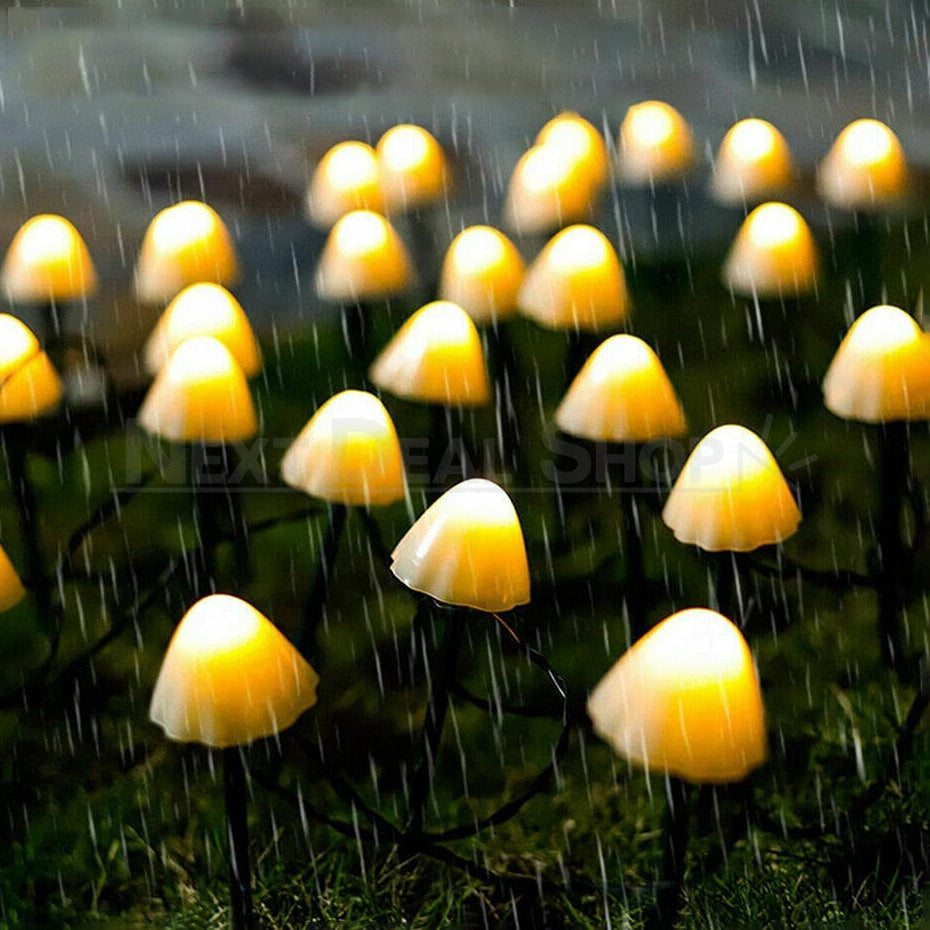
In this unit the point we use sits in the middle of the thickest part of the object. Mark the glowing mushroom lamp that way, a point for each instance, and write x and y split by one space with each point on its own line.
436 358
684 702
363 261
881 375
229 678
576 286
347 178
620 399
48 268
731 497
29 390
200 400
866 173
574 135
773 264
753 164
550 188
655 144
204 310
415 177
11 588
348 455
184 244
465 552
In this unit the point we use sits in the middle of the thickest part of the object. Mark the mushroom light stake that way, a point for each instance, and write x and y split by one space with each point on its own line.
577 286
201 399
466 551
866 172
436 358
731 497
684 702
415 176
204 310
753 164
230 678
347 178
29 389
363 261
184 244
48 266
881 375
623 398
348 455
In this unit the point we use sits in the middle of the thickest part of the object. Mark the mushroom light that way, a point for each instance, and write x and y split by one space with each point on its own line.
773 255
204 310
229 678
753 163
347 178
655 145
184 244
413 166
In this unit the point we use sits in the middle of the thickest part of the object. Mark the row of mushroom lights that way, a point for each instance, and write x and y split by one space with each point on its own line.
685 698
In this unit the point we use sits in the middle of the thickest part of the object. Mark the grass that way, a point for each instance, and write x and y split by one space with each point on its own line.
107 825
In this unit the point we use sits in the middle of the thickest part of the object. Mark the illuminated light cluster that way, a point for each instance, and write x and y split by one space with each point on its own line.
685 700
436 357
731 495
467 549
348 453
881 371
576 283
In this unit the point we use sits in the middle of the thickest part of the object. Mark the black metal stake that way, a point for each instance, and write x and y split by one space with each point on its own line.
240 870
633 555
894 474
723 574
675 836
316 603
442 678
355 326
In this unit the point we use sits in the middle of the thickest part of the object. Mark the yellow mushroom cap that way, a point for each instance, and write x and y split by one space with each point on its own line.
622 394
29 384
230 677
467 549
348 453
414 170
436 357
204 310
363 259
865 169
731 495
482 273
685 700
184 244
773 254
548 189
881 370
200 395
753 163
580 142
47 261
347 178
576 282
656 143
11 588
